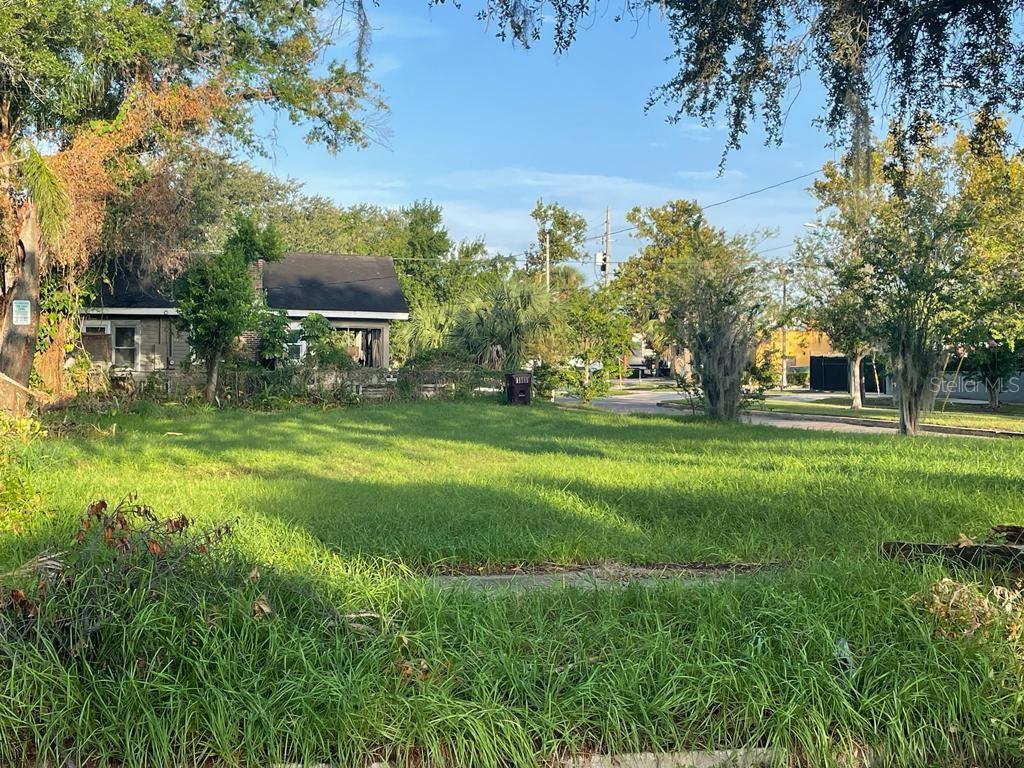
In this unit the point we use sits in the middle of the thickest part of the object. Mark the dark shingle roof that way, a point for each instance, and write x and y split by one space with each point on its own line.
324 282
123 289
333 282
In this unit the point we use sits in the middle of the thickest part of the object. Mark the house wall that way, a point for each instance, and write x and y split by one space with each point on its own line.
159 344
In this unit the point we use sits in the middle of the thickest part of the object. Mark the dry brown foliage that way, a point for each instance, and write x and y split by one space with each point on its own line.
963 610
96 165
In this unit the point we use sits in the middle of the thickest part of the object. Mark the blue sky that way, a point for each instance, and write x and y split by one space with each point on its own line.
485 128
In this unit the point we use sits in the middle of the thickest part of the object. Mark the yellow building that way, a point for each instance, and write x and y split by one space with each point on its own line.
800 345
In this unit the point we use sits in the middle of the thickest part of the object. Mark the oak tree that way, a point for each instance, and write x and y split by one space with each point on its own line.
107 81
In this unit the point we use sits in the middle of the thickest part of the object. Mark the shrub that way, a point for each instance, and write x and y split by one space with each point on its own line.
547 378
694 392
799 377
326 347
586 386
760 373
275 337
445 373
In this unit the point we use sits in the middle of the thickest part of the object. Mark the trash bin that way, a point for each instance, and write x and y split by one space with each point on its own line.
518 386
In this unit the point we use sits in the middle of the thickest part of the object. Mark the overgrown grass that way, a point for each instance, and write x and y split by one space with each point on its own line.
1010 417
817 664
829 655
478 483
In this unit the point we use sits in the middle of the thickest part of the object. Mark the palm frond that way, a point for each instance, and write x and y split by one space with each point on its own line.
45 191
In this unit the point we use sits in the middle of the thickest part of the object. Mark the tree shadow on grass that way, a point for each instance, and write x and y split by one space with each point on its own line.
538 430
699 491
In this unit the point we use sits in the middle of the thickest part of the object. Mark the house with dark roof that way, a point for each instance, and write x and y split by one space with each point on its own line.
132 325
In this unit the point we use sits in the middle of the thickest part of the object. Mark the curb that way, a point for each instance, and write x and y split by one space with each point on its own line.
743 758
750 757
940 429
699 758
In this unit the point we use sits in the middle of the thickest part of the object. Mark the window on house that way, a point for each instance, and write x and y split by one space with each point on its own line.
98 327
296 346
96 340
126 346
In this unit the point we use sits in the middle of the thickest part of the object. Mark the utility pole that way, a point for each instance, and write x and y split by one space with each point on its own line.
784 270
608 246
547 259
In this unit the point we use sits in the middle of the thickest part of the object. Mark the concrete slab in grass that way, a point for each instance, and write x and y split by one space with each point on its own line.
601 576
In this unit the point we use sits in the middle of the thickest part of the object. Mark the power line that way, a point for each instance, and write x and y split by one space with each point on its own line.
732 199
778 247
524 255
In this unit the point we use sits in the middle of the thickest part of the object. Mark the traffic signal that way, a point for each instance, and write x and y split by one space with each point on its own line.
601 262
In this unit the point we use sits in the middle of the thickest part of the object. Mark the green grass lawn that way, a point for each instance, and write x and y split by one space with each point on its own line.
835 652
478 483
1009 418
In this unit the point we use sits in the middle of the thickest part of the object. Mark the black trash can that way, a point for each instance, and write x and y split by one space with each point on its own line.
518 386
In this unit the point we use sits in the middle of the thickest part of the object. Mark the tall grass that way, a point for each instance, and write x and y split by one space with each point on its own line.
334 650
431 484
820 663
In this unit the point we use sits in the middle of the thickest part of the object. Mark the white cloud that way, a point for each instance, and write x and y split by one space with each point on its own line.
416 26
696 131
384 64
506 230
729 173
581 189
351 188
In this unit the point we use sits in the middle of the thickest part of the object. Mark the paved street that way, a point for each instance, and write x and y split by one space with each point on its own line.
647 402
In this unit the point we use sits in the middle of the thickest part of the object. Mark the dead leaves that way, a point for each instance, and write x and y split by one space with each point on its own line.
261 607
963 610
415 669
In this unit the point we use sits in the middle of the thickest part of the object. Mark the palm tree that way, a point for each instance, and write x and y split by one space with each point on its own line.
429 325
499 330
33 207
659 337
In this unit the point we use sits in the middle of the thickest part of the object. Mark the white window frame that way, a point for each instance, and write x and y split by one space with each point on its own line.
104 324
137 326
300 343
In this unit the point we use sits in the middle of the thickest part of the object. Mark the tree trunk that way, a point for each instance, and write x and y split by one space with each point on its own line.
212 364
854 361
916 368
910 414
994 390
721 366
18 342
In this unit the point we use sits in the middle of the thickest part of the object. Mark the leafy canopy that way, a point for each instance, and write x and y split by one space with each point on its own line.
64 63
216 297
746 58
564 230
